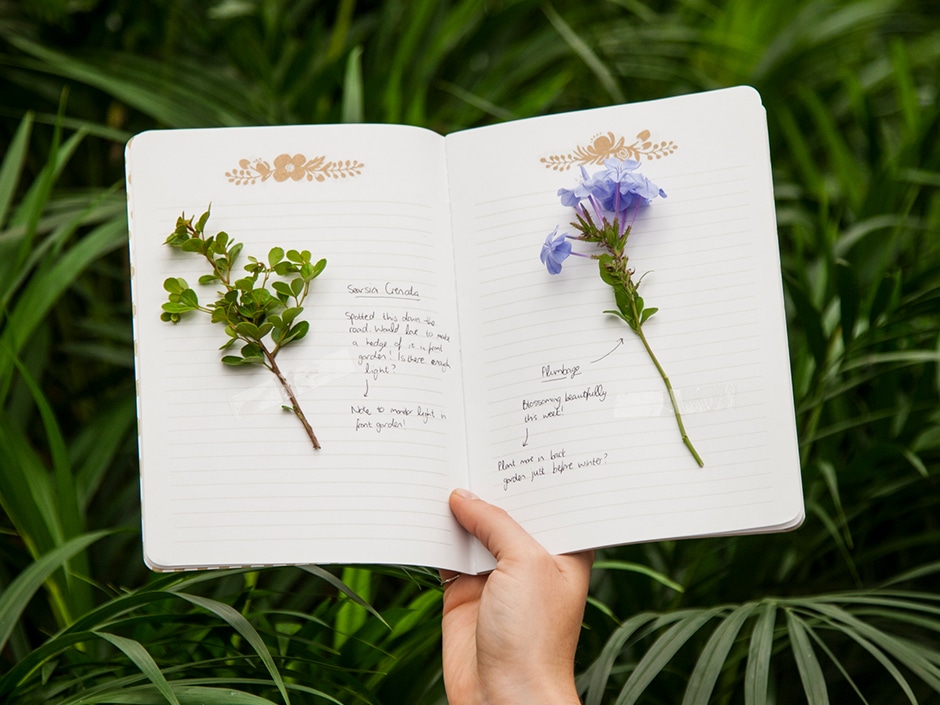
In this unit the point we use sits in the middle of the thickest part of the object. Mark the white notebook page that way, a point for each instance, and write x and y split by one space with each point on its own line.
228 478
570 427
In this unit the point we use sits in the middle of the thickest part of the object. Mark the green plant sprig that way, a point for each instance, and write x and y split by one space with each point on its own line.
618 275
263 319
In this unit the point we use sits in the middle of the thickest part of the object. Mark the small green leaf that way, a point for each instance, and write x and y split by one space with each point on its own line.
628 320
248 330
172 307
605 262
282 288
193 244
201 223
647 314
284 268
275 255
208 278
233 360
295 256
290 314
251 350
222 239
189 298
175 285
318 268
297 285
234 251
296 333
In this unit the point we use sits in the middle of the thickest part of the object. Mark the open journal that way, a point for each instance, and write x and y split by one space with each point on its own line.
442 354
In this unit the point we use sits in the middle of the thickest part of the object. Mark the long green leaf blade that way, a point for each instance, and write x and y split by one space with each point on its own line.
15 598
136 652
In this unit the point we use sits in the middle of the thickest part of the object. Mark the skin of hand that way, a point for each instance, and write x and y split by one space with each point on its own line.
510 636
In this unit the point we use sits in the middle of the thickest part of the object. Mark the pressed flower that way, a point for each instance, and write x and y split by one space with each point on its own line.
555 250
601 203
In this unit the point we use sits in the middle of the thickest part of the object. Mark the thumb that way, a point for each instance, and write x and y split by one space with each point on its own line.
498 532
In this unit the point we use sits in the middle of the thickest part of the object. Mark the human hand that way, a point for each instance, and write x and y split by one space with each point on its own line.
510 636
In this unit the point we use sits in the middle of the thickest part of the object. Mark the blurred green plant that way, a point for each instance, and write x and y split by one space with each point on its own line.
841 610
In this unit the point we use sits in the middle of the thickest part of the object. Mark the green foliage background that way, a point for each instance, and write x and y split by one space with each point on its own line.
842 610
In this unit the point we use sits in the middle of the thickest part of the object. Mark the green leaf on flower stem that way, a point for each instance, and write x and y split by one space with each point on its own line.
647 314
297 285
317 269
188 297
245 283
208 278
624 301
193 244
295 256
175 285
227 344
629 320
234 251
173 307
222 238
265 328
233 360
275 255
604 263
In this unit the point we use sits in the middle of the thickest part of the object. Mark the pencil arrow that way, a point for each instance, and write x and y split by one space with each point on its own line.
526 441
366 393
619 343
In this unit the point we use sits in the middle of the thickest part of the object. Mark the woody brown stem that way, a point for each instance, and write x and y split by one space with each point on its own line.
295 405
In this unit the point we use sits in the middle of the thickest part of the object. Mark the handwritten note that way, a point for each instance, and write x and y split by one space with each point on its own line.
394 342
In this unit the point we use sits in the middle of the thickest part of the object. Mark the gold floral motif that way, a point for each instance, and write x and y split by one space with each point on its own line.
296 167
609 146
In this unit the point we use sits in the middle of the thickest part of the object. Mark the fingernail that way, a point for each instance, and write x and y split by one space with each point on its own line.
465 494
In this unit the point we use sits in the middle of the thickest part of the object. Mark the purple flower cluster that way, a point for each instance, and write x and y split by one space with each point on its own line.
618 188
614 191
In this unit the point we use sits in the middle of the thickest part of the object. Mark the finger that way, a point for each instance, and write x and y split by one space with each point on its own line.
498 532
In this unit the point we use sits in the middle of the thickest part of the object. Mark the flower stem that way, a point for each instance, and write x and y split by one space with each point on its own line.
672 397
295 405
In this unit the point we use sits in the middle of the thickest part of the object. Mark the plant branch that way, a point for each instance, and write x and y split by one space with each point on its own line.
295 405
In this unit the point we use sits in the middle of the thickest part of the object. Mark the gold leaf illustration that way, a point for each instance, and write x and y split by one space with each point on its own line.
292 167
609 146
